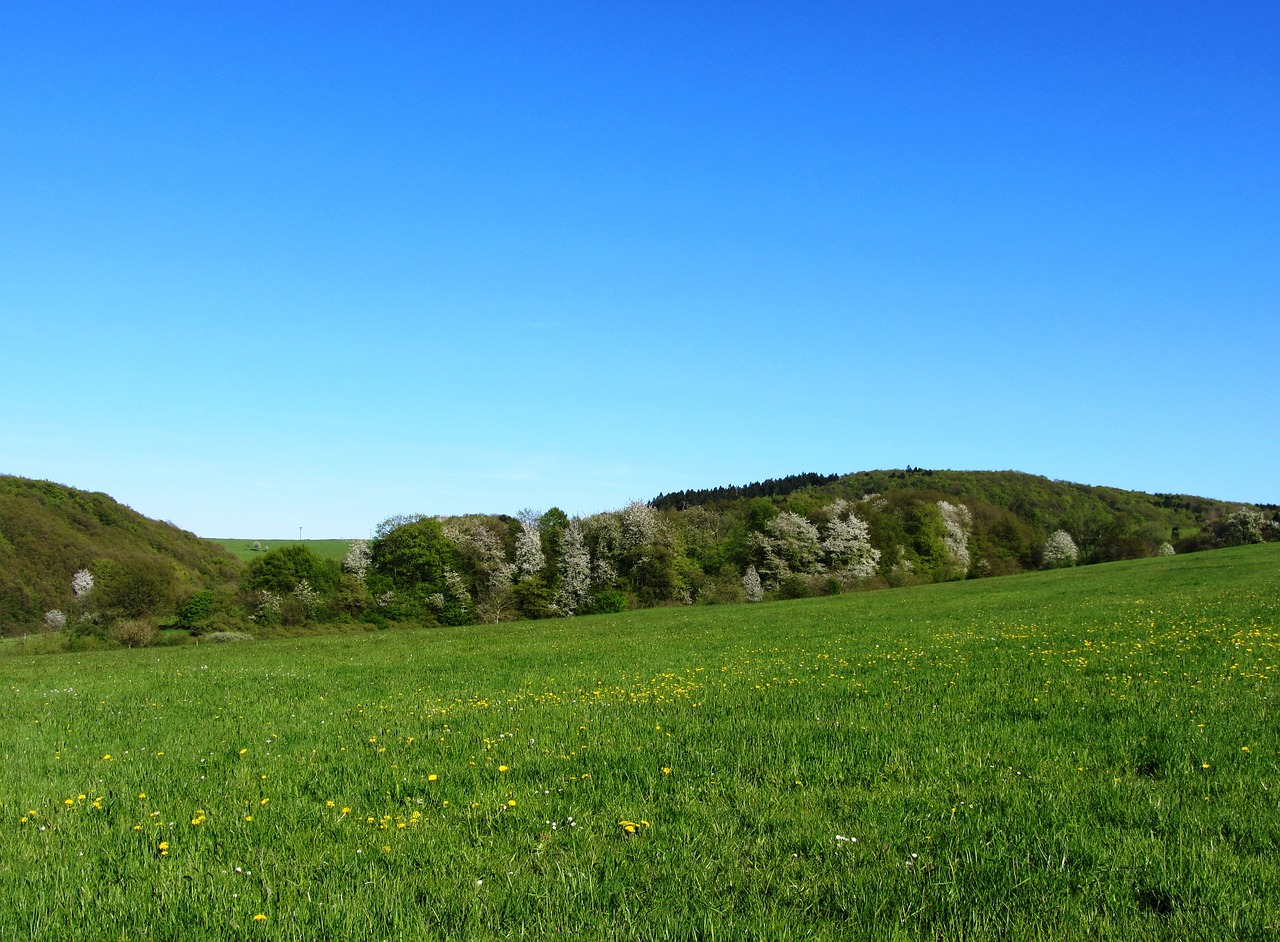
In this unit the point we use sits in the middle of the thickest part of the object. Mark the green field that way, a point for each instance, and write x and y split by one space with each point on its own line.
1077 754
325 549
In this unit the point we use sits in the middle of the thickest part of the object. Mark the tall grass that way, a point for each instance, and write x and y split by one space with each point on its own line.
1075 754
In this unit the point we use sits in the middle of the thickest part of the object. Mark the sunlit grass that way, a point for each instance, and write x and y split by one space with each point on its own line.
1082 754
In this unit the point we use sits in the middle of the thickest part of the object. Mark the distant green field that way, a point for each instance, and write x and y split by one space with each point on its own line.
1077 754
243 549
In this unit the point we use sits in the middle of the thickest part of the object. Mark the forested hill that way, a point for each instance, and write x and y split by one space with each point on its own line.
49 532
1012 513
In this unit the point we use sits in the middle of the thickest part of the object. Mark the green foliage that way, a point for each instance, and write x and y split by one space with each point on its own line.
606 601
533 597
196 609
48 532
281 570
134 586
414 556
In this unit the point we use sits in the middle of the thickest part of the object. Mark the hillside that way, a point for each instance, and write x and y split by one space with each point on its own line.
1012 512
48 532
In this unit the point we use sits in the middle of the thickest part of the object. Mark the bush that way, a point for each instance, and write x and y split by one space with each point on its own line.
196 609
605 601
228 637
133 632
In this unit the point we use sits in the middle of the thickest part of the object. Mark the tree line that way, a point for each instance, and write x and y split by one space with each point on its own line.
786 538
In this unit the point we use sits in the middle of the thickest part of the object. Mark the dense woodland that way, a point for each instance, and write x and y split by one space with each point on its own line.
81 564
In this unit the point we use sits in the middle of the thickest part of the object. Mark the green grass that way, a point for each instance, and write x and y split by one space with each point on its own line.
325 549
1085 754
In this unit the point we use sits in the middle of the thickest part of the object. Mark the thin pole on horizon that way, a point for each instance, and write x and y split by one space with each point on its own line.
299 534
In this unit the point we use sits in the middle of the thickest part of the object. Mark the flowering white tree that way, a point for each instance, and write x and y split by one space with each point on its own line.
1165 549
308 597
82 583
790 545
958 521
358 558
1240 527
575 570
530 560
55 620
639 524
751 586
1060 550
847 543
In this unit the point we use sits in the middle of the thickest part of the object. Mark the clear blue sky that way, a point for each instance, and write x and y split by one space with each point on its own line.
271 265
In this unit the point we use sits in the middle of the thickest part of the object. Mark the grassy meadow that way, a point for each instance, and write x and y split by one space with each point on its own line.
1077 754
243 549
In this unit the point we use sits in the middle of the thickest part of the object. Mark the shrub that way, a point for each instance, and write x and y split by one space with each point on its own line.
228 637
196 609
133 632
54 620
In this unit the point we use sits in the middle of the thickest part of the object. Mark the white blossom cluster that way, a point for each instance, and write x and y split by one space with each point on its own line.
958 521
751 587
789 546
575 570
82 583
358 558
847 543
269 603
54 620
530 560
639 524
1060 550
1165 549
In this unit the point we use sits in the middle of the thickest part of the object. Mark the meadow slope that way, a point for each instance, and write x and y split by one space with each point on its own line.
1088 753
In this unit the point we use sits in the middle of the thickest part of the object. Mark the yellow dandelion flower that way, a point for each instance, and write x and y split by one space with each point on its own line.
243 751
80 797
259 918
503 768
665 770
346 811
107 757
511 803
328 804
68 802
432 778
264 801
248 817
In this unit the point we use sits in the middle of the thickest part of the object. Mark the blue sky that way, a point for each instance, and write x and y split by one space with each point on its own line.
270 266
